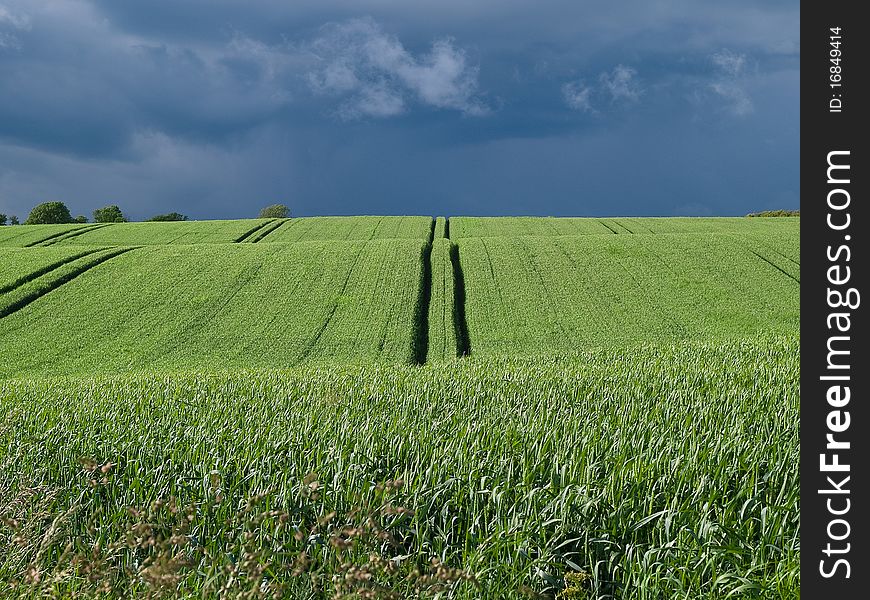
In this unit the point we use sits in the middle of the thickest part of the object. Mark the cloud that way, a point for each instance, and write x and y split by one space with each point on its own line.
577 95
728 84
17 23
377 76
20 22
730 63
618 86
621 84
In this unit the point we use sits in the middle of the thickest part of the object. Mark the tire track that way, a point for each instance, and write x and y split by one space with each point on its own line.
55 284
251 232
45 270
267 230
57 237
608 227
775 266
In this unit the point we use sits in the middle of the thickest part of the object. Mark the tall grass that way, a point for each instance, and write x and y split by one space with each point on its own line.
659 472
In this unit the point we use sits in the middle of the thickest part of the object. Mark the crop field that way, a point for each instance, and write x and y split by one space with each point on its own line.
18 265
168 232
442 338
464 227
401 407
564 465
352 228
30 235
540 295
176 308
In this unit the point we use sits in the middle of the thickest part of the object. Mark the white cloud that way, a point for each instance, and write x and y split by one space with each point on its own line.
377 75
617 86
9 42
621 84
728 84
373 100
577 95
20 22
15 21
731 64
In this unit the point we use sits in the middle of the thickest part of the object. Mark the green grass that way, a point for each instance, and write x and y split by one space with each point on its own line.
442 319
678 481
167 232
223 306
530 295
18 265
186 416
465 227
27 235
351 228
45 280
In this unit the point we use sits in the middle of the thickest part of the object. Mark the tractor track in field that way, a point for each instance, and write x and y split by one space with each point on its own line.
460 323
251 232
777 267
63 235
60 282
45 270
420 335
264 232
613 231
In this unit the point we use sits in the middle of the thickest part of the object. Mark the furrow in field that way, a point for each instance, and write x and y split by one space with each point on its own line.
62 235
612 230
39 287
266 231
460 322
777 267
420 341
45 270
21 236
441 228
250 232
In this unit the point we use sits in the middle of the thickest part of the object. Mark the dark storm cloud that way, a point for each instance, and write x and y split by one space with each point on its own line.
213 108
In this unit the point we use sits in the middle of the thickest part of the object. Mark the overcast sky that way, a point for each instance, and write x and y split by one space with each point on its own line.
215 108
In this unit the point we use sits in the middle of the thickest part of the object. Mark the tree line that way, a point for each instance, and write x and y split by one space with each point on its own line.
57 212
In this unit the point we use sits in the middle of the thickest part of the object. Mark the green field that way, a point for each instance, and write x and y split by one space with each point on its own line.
464 227
562 293
172 308
352 228
399 407
170 232
31 235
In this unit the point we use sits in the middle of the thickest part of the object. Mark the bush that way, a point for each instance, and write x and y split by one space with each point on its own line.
173 216
49 212
776 213
109 214
13 220
275 211
3 219
81 219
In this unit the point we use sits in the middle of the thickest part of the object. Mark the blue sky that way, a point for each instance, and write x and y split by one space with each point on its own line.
215 108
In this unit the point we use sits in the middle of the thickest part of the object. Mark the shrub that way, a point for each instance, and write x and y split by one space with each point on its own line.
776 213
81 219
49 212
173 216
109 214
275 211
